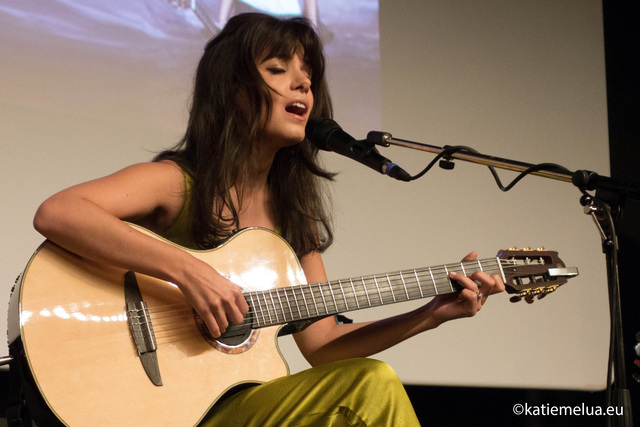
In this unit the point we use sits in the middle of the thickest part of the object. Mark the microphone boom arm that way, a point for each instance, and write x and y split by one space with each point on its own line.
481 159
583 179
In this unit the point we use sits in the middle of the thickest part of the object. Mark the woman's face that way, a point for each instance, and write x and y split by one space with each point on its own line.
292 98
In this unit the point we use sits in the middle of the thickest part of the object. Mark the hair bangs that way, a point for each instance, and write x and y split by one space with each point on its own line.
285 38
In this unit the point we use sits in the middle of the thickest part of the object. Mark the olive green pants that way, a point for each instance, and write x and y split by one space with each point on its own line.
353 392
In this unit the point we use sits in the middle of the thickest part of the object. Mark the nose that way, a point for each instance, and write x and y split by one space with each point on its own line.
301 81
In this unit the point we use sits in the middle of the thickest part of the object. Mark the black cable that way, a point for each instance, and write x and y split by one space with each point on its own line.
448 151
549 167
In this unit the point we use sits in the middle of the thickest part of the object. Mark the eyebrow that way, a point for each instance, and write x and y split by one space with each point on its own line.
305 66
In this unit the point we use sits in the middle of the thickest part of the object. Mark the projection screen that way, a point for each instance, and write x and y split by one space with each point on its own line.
89 87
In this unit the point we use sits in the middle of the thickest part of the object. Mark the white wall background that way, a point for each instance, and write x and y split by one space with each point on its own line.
516 79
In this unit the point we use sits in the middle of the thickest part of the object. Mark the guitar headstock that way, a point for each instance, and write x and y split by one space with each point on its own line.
533 272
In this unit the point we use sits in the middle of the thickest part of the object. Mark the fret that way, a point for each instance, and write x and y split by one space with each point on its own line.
278 302
463 271
355 294
314 300
448 278
435 287
500 270
406 291
295 300
304 300
284 313
275 307
393 295
364 284
378 288
286 297
324 301
344 296
266 303
309 301
415 273
480 265
253 304
333 297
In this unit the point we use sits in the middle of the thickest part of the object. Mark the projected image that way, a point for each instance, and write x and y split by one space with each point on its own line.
170 35
215 14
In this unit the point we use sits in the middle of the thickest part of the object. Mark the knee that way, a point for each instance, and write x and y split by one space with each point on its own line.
377 393
373 372
382 372
379 369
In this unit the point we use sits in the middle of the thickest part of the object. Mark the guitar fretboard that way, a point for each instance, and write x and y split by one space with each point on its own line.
301 302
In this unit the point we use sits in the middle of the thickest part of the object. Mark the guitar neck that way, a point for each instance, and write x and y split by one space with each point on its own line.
311 301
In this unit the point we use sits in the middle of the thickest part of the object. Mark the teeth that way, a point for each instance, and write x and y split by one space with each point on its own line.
299 105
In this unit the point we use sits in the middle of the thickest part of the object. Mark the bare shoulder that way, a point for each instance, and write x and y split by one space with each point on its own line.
165 170
151 194
156 189
155 181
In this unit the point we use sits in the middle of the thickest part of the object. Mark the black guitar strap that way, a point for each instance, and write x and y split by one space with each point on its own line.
17 412
25 403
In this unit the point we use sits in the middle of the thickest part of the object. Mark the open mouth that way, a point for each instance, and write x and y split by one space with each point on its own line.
297 108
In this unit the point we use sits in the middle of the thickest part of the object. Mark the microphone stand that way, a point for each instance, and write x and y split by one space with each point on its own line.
604 216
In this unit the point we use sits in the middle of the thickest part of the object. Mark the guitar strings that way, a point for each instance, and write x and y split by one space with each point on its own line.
167 319
175 321
439 274
393 279
170 309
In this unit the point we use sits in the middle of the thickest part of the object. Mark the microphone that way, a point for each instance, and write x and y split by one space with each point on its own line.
327 135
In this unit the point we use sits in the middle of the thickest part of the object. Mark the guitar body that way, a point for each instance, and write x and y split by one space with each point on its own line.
69 314
80 334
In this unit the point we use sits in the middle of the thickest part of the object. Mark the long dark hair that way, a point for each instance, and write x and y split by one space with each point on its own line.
220 142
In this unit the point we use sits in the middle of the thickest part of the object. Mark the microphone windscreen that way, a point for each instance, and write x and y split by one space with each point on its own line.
318 130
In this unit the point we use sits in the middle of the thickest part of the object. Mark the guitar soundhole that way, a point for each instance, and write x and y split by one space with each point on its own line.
236 339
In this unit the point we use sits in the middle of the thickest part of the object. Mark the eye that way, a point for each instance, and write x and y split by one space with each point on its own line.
275 70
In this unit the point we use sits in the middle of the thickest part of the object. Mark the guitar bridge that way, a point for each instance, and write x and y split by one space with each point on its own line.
141 328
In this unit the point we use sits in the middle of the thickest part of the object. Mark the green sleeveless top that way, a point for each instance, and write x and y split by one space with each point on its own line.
180 231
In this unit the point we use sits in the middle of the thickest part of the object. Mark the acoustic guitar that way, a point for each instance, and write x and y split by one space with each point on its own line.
103 346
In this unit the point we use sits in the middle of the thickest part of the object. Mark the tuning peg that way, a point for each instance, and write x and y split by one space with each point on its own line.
529 294
526 294
540 249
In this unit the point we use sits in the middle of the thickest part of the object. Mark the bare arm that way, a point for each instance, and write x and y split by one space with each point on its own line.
324 341
87 219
